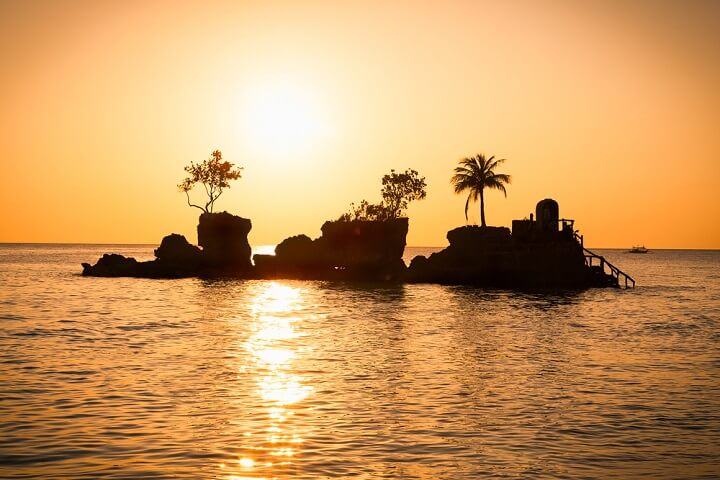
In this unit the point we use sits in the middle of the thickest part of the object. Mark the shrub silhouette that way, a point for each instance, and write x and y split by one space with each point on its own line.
398 189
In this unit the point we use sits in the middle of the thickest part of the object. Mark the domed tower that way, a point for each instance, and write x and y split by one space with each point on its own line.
547 214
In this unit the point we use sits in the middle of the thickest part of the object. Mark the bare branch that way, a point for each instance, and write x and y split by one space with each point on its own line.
192 204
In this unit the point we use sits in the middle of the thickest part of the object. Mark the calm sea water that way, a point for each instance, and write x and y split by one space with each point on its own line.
131 378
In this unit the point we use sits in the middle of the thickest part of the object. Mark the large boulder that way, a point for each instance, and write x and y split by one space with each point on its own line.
177 258
174 249
363 244
223 238
299 250
472 236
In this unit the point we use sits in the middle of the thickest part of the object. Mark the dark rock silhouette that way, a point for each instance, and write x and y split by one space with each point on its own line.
176 250
536 254
350 250
298 250
176 258
471 237
362 243
226 252
113 265
223 238
478 257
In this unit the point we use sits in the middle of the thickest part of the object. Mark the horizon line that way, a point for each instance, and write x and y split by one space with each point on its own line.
3 243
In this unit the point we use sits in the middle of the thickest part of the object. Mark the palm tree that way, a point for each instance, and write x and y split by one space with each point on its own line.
476 174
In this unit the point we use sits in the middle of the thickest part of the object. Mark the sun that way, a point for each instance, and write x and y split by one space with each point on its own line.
284 117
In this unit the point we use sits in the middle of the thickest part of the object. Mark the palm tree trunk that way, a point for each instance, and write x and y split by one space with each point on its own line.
482 208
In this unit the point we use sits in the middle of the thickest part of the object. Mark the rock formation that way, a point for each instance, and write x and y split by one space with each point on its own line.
536 254
176 251
351 250
175 258
223 238
226 252
114 265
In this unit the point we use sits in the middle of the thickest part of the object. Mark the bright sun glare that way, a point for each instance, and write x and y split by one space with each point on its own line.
283 117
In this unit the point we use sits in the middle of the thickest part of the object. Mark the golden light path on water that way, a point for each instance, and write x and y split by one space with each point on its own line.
273 352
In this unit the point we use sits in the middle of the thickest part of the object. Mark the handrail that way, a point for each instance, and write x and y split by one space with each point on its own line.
615 272
579 238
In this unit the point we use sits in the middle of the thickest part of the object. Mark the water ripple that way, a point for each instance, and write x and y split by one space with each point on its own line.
130 378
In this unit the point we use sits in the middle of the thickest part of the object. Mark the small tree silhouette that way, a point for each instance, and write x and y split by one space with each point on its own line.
214 174
398 190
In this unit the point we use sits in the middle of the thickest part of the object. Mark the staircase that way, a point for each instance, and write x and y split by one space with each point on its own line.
597 263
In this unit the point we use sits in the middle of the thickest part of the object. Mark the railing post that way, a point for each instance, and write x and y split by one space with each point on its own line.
614 271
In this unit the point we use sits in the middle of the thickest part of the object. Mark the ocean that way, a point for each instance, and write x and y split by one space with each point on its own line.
238 379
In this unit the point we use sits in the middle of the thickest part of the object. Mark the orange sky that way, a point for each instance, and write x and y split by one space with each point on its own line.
613 109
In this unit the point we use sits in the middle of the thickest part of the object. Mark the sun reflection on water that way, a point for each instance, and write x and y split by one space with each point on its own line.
273 353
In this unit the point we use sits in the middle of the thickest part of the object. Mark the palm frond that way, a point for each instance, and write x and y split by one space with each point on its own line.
463 183
494 184
502 189
474 174
502 178
493 164
471 164
464 171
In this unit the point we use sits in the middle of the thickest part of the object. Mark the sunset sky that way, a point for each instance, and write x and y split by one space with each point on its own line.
610 107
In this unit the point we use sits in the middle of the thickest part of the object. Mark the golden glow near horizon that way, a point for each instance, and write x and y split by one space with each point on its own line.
611 108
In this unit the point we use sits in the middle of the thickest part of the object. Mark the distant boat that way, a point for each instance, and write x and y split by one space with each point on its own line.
638 249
